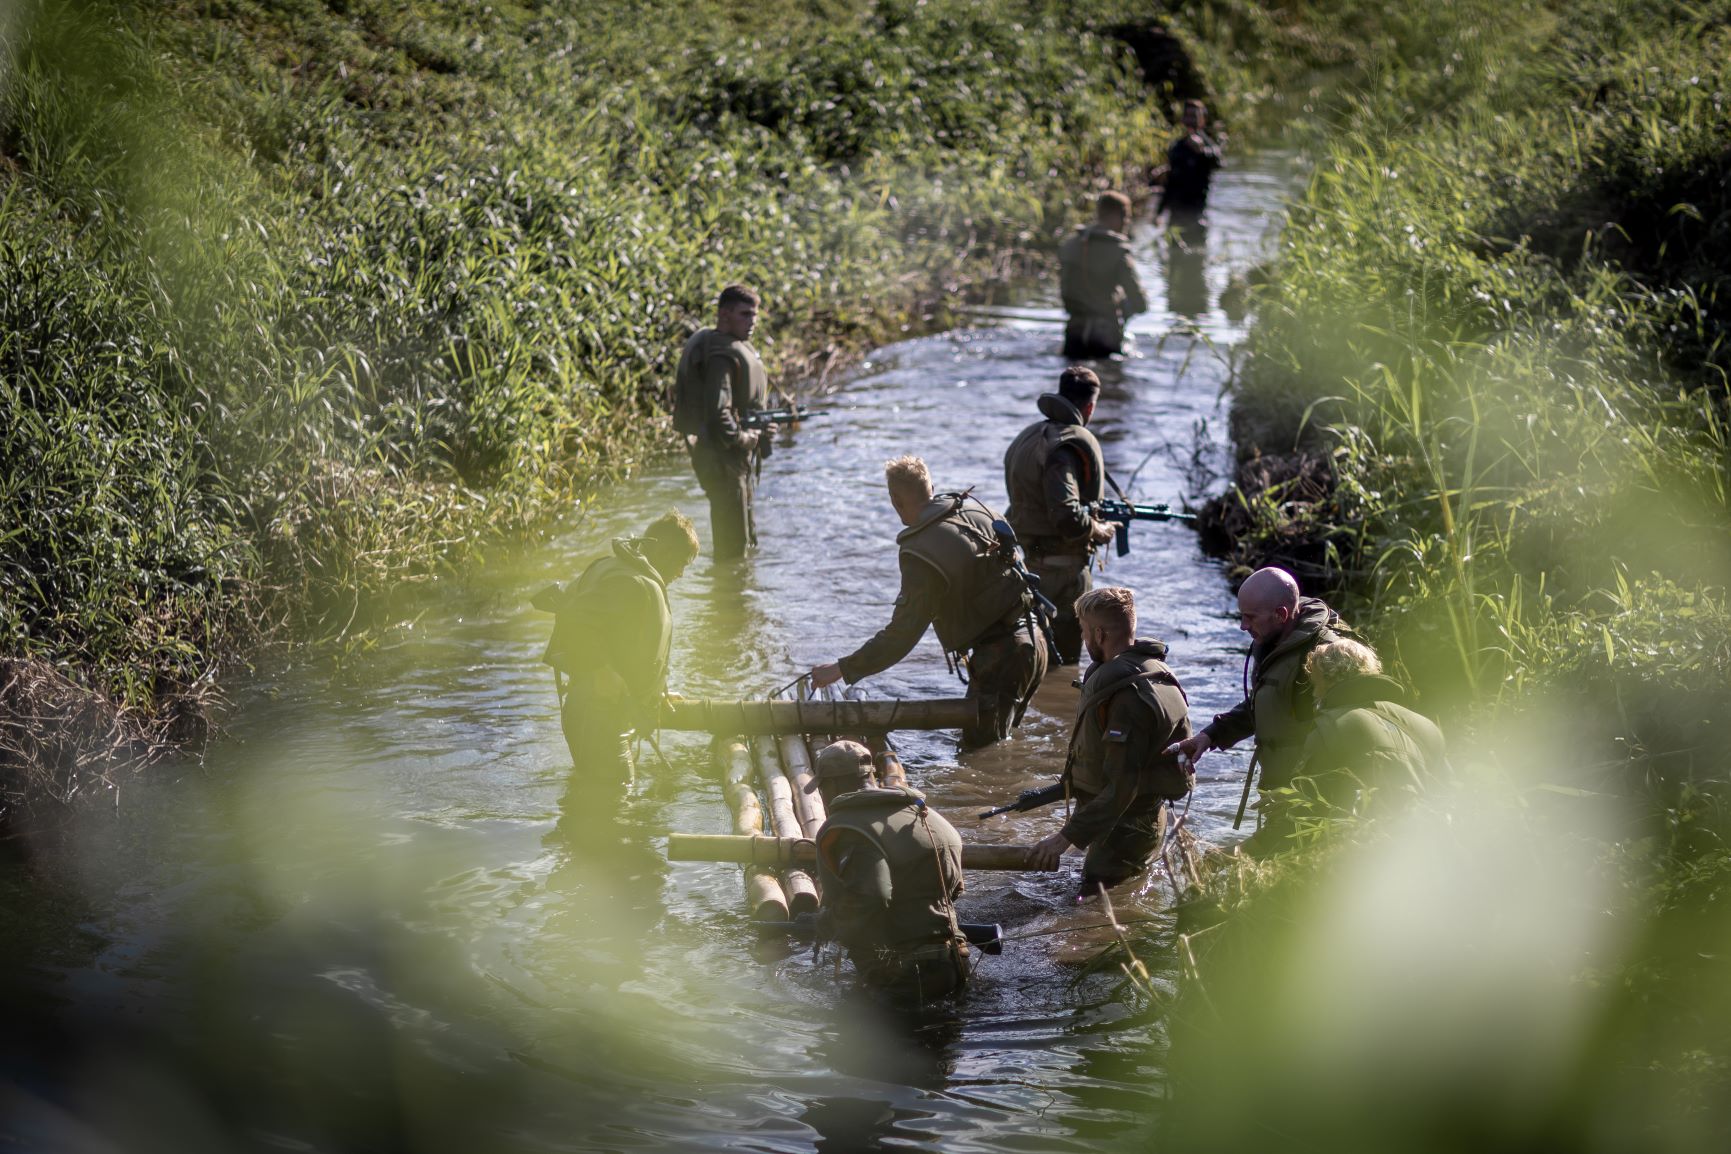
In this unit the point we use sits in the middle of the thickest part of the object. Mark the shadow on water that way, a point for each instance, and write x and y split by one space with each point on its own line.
390 914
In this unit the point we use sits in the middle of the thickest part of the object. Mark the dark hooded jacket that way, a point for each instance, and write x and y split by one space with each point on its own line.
1055 474
615 618
891 870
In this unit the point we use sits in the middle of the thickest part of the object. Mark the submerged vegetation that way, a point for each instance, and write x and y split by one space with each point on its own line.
303 302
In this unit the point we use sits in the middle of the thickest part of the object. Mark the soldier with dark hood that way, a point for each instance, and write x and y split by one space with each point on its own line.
1097 281
719 382
1056 475
1365 737
1190 164
956 579
612 633
1120 770
890 870
1279 709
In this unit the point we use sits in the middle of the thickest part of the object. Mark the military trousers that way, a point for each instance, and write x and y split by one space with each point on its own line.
1063 578
1124 851
1002 675
726 477
1088 338
600 734
918 976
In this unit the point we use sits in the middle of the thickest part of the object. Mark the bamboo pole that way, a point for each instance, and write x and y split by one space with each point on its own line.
764 897
801 890
755 718
796 762
786 851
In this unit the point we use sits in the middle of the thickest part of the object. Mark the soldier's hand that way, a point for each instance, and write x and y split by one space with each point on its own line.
1190 749
822 675
1045 854
1102 532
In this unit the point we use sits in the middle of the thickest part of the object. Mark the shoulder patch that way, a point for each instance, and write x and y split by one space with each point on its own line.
1116 735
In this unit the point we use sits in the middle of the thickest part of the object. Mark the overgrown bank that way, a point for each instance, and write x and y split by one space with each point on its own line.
1485 410
303 302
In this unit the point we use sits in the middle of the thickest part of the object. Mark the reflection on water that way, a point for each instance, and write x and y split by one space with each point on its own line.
387 914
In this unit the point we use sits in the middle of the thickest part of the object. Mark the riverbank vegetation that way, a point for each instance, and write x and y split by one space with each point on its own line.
1485 411
303 302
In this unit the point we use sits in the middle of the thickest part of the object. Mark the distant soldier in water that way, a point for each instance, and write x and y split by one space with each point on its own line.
1365 738
1120 769
1189 169
1056 475
612 633
720 381
1280 709
890 869
956 579
1097 281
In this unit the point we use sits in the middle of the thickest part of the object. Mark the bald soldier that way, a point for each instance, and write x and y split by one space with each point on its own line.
1120 768
720 381
1097 281
1366 741
890 870
1280 708
959 579
612 634
1055 474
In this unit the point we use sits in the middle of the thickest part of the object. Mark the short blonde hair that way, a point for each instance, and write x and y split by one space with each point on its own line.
908 474
1113 606
1336 661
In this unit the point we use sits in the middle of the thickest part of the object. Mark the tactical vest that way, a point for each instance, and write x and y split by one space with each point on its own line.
1285 706
924 854
1025 473
1142 671
580 636
954 535
692 403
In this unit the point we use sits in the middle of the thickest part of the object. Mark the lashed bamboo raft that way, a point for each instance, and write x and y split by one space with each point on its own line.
767 718
786 851
801 891
764 897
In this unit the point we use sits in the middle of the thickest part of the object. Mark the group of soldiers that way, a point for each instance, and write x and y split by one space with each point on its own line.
889 866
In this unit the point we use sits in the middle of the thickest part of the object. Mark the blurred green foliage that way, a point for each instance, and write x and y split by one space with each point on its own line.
303 301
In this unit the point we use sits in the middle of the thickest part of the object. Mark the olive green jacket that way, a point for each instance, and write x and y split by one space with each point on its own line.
1280 709
890 870
1055 474
1132 708
614 626
1097 279
718 382
1366 736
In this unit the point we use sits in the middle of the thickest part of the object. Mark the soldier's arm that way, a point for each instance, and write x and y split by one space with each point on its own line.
1229 728
1135 735
721 377
1063 489
1135 301
915 608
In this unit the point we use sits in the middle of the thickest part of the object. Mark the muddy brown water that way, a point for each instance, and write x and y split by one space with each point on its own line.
369 922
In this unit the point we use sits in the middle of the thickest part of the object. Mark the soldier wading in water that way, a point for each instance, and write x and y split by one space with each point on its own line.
612 633
891 870
1097 281
956 579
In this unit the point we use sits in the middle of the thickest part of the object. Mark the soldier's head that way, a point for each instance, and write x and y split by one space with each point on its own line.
1268 604
1195 115
670 544
1329 665
1112 210
1081 387
1108 619
844 767
736 311
910 486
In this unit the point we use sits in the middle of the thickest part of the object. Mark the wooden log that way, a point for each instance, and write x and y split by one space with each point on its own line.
796 762
787 851
801 890
759 718
764 897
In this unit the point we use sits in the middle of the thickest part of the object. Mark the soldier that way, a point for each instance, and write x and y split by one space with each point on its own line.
890 870
720 381
1120 769
1056 475
1365 736
612 632
1098 281
957 578
1279 707
1190 164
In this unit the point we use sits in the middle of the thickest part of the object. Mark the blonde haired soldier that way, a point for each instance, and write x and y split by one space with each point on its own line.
1132 709
1365 736
957 580
612 636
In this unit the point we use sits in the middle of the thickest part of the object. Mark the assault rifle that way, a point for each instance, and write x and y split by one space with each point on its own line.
1125 512
764 418
1029 799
